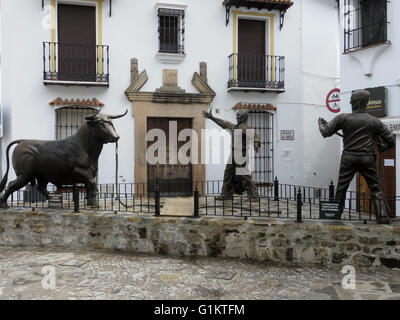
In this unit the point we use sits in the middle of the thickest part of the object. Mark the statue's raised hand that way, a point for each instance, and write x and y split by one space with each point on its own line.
207 115
322 121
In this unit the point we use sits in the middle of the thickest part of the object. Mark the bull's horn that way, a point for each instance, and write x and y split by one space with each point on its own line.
91 117
116 117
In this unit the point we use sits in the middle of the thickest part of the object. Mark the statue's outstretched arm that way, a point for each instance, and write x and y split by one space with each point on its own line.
222 123
328 129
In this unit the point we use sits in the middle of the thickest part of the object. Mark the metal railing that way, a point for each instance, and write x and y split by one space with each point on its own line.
256 71
298 208
68 62
365 23
275 200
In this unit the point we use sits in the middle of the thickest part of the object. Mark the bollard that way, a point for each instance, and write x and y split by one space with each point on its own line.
276 189
331 191
157 199
196 203
75 197
299 205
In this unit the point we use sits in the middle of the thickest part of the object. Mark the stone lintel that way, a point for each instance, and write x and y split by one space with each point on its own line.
170 97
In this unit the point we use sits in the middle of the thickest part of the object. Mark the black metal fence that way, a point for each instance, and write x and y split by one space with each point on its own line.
365 23
256 71
275 200
75 62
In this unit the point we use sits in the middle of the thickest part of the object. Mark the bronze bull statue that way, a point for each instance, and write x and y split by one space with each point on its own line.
63 162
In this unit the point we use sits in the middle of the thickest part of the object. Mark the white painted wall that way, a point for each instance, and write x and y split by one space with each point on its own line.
385 71
309 41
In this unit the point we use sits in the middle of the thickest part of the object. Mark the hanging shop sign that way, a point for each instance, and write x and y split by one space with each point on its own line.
377 102
333 100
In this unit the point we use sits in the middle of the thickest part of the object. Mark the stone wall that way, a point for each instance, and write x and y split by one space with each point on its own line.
270 240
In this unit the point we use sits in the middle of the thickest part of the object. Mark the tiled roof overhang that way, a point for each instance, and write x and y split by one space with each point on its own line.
254 106
280 5
94 103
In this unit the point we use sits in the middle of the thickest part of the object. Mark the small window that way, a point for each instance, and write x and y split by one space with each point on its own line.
171 30
365 23
263 162
69 120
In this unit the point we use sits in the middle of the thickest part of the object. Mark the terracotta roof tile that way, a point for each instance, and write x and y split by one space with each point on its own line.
254 106
79 103
287 2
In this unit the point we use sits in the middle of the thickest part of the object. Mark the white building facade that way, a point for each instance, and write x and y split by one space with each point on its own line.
169 61
369 45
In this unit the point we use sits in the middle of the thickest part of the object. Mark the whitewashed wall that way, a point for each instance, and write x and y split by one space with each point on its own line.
309 41
384 69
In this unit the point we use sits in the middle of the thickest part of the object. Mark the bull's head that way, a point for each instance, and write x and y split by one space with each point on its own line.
104 128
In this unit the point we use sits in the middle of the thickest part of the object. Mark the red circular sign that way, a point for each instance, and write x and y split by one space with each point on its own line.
333 100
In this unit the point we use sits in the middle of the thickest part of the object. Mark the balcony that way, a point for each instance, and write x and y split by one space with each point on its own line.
254 72
75 64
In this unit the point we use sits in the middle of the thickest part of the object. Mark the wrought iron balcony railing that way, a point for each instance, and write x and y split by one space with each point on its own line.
254 71
79 64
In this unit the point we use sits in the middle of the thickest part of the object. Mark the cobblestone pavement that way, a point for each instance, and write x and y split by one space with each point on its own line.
84 274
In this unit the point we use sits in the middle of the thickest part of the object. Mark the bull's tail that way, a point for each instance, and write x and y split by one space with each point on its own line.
5 178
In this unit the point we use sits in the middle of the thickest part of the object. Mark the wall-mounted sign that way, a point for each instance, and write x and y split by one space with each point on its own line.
329 210
393 124
287 134
388 162
377 102
333 100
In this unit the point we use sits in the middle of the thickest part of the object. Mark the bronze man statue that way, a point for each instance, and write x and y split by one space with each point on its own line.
234 164
360 133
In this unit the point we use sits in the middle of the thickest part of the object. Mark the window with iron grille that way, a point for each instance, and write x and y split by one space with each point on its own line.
69 120
365 23
171 30
263 162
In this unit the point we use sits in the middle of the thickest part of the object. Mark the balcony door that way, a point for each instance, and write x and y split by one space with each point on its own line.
76 43
251 53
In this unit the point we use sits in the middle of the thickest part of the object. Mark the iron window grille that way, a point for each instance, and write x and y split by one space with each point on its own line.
263 162
69 120
365 23
171 30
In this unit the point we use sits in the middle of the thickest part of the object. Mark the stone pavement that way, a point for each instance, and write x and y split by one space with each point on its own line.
26 272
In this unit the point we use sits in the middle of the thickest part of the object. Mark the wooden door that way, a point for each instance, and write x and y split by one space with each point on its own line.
386 166
173 179
76 43
251 53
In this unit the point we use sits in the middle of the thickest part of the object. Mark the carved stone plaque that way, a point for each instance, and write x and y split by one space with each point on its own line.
170 82
170 78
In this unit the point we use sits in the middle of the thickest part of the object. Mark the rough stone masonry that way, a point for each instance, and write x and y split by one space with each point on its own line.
272 240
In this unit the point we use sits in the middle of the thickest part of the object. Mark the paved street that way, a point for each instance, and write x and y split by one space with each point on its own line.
25 273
